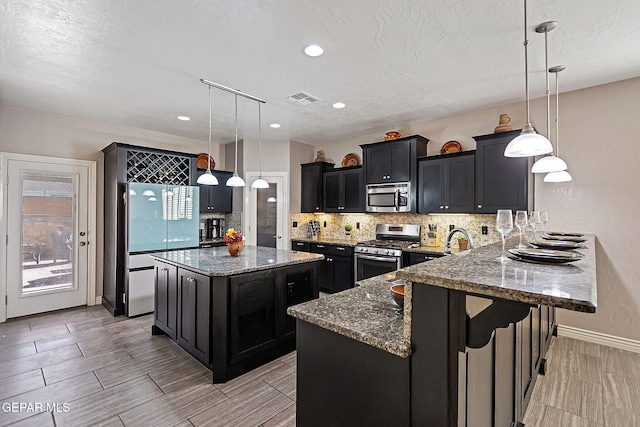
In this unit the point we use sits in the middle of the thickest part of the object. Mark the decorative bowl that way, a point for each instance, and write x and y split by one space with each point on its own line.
391 135
201 162
451 147
397 293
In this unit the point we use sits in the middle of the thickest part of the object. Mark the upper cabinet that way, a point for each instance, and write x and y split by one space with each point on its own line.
312 186
446 183
216 198
393 161
344 190
501 182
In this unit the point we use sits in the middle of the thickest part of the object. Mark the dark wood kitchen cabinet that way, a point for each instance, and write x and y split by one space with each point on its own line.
311 186
344 190
335 272
166 301
501 182
446 183
216 198
393 161
194 311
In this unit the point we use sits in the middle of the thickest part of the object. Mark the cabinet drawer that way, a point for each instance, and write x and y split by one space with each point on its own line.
331 249
300 246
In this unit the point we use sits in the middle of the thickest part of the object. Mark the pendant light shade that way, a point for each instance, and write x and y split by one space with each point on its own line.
560 176
207 178
260 182
235 180
528 143
548 164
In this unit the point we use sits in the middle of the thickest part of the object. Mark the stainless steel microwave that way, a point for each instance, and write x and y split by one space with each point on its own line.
392 197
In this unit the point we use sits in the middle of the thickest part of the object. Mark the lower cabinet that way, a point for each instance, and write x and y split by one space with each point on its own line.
194 314
235 323
412 258
335 272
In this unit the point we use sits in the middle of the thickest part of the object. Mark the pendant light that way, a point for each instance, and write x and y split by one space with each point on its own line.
260 182
548 163
558 176
207 178
235 180
528 143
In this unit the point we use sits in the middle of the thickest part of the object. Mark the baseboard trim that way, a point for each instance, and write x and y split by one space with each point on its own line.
599 338
98 301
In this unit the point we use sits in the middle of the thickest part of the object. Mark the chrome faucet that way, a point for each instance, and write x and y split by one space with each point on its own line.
447 246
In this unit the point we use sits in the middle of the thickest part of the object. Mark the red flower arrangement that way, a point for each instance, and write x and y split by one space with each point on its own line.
233 236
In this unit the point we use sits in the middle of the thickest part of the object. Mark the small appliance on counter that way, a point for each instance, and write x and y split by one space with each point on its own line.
215 228
433 239
313 229
203 232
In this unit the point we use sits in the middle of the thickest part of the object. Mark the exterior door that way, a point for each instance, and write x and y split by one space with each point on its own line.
268 211
47 228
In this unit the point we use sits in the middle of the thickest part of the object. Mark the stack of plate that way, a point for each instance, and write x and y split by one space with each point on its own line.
546 255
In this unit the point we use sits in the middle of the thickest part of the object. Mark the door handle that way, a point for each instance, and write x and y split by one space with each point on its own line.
82 233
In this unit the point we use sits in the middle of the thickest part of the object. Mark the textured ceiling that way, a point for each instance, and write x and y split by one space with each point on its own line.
138 62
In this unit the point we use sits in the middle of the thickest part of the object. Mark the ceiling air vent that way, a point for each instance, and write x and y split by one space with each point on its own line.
302 98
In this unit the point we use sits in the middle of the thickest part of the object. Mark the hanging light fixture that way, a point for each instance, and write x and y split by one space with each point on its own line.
235 180
548 163
558 176
260 182
528 143
207 178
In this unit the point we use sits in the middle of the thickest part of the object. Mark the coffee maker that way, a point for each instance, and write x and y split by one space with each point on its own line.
215 228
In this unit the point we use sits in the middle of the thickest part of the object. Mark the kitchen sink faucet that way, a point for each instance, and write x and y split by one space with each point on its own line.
447 246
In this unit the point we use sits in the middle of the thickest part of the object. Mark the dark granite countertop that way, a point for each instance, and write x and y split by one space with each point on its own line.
438 250
327 240
365 313
216 261
571 286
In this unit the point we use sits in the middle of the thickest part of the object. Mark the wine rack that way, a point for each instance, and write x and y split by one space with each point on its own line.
157 168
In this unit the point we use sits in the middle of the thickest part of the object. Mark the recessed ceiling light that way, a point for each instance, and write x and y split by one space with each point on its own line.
275 125
184 118
313 50
339 105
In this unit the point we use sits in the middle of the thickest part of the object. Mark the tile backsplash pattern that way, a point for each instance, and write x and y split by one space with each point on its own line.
335 223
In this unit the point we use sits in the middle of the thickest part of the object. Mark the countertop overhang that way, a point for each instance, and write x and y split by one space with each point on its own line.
216 261
570 286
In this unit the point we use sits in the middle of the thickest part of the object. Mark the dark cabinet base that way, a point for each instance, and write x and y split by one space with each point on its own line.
353 385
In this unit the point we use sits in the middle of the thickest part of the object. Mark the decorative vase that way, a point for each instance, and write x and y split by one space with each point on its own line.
503 125
463 245
234 248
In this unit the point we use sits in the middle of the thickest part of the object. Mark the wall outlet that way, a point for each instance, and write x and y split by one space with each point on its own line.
357 226
295 224
451 227
485 230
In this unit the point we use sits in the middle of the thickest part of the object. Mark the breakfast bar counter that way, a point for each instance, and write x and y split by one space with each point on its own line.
466 351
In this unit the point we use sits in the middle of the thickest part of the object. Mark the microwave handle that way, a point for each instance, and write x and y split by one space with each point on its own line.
397 200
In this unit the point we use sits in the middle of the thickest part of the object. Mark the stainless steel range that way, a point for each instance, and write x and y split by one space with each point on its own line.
383 255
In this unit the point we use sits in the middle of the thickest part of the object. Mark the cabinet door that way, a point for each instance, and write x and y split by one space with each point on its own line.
501 182
311 184
378 164
460 189
325 274
298 288
353 191
194 311
252 311
400 160
166 298
342 273
432 186
333 199
221 196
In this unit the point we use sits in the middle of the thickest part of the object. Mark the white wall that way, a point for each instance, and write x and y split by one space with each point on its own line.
598 140
28 131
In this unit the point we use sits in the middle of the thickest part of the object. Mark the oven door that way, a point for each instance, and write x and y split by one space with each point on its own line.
367 266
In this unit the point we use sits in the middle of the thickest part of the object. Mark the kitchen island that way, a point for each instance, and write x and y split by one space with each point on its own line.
230 312
466 350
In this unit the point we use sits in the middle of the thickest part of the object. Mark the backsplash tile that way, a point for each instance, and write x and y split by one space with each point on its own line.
335 225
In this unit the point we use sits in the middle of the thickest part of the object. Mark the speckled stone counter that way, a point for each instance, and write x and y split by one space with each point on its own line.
571 286
365 313
216 261
328 241
438 250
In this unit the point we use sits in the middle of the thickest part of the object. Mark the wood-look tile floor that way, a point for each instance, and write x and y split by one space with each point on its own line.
101 370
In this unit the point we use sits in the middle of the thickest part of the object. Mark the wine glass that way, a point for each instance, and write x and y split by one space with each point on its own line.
504 225
521 223
534 219
544 218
